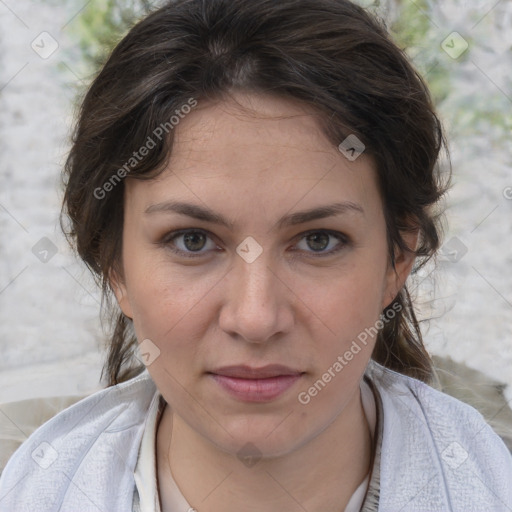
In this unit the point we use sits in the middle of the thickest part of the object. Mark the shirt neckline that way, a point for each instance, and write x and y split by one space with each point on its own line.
147 497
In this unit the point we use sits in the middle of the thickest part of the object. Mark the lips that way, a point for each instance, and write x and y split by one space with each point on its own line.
256 384
247 372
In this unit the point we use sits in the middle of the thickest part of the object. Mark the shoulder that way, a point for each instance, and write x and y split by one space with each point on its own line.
438 453
20 418
84 455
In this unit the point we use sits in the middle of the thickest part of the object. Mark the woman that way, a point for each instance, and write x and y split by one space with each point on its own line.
254 182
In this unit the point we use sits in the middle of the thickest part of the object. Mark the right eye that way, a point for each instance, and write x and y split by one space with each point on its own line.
188 242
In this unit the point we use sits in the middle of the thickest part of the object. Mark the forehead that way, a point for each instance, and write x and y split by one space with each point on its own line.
256 151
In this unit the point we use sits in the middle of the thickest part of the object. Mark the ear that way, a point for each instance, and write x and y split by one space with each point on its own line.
119 288
404 261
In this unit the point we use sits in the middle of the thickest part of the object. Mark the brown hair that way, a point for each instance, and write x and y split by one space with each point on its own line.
330 54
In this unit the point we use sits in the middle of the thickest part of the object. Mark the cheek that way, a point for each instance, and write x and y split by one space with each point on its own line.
349 307
344 312
172 311
165 299
348 300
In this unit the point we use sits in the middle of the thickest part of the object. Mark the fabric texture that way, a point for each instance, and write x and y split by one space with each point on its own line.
436 454
145 497
19 419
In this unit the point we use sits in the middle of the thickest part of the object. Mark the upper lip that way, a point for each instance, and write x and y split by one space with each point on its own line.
248 372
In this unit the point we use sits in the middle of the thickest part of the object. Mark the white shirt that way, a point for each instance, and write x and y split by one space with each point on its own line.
433 452
146 469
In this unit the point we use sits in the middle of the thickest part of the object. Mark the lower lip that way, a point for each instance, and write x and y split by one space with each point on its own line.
256 390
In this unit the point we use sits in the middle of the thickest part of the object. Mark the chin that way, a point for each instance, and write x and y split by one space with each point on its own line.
259 438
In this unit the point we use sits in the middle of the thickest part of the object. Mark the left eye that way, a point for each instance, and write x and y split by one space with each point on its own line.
318 241
191 242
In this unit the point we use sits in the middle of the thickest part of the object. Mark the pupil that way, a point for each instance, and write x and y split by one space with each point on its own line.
192 238
318 245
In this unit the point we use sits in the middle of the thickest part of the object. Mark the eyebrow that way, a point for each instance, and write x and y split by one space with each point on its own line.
205 214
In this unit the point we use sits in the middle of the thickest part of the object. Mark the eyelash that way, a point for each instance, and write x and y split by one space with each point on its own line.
170 237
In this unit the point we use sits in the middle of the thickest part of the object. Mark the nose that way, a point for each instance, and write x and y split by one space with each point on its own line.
257 303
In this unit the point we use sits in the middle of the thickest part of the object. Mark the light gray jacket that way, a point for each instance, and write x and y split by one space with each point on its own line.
436 453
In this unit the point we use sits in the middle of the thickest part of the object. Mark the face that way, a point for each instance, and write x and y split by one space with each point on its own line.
244 276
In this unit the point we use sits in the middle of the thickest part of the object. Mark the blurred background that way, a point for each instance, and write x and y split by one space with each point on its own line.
51 338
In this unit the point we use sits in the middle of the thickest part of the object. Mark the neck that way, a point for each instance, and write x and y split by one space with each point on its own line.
320 475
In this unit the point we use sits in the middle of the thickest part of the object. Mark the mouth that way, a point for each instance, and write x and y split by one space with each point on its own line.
249 384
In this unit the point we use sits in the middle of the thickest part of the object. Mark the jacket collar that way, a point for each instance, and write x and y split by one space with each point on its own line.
84 457
437 453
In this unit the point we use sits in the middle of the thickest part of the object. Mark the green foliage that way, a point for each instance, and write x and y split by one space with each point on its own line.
414 33
102 24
